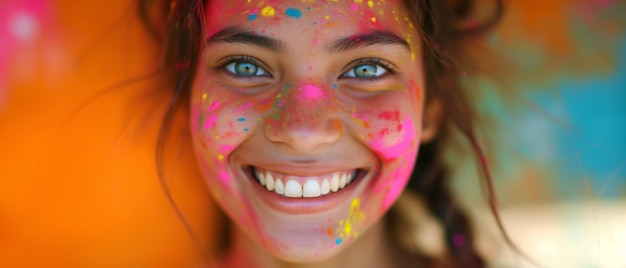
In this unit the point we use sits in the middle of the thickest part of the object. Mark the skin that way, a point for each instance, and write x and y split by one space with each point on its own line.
305 113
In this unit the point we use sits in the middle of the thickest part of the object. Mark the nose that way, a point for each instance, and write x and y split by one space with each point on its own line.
304 117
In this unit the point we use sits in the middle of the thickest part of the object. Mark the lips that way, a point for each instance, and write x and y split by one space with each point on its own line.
293 186
300 184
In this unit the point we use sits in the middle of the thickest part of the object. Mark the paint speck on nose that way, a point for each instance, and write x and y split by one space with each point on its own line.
311 92
252 17
241 119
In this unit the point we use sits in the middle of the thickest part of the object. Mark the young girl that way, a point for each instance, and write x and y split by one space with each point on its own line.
307 118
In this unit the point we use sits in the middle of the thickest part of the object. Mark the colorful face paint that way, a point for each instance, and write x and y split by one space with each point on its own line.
306 118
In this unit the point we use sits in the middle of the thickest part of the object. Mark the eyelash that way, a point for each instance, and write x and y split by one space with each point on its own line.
388 67
222 67
390 70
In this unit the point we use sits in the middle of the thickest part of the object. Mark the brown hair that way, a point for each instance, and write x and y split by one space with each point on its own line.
438 24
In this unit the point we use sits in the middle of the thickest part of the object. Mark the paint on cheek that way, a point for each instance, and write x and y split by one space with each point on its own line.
398 182
214 105
224 177
245 106
210 122
392 147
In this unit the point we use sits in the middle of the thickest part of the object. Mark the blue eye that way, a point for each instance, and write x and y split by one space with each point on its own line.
365 71
245 68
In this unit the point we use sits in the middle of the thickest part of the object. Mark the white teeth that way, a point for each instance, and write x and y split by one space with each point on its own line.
325 187
278 187
311 189
334 183
314 186
269 182
293 189
342 181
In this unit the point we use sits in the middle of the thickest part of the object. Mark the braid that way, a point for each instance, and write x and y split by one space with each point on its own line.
430 180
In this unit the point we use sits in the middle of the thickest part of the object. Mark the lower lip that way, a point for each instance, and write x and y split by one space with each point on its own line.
306 205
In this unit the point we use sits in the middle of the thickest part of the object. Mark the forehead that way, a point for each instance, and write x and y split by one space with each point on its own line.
320 15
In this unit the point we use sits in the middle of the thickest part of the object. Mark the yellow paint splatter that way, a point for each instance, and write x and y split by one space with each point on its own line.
220 157
268 11
407 38
373 19
370 3
204 96
326 17
358 1
355 218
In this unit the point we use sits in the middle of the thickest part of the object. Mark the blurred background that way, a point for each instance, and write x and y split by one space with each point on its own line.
78 184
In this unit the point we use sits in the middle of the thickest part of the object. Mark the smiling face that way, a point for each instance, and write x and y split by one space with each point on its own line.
306 118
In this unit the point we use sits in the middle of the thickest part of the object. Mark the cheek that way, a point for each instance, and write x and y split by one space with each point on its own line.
392 133
220 121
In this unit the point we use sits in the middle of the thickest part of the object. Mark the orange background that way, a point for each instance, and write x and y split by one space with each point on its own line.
78 187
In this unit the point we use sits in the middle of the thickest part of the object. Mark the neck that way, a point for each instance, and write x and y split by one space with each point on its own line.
372 249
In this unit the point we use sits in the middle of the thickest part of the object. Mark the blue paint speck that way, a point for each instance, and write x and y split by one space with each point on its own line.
294 13
241 119
338 241
335 85
252 17
245 129
308 9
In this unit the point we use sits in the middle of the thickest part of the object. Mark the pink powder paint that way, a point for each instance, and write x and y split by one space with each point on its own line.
224 177
245 106
227 148
395 189
214 105
311 92
393 151
210 122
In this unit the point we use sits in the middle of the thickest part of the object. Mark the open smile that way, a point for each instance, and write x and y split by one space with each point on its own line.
306 193
293 186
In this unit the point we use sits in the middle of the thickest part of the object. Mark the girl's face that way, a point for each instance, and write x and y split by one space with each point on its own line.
306 118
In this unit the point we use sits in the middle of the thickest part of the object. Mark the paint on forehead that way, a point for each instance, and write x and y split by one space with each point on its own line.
268 11
293 12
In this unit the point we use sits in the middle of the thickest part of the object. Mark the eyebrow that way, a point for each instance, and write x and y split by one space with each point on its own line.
367 39
240 35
